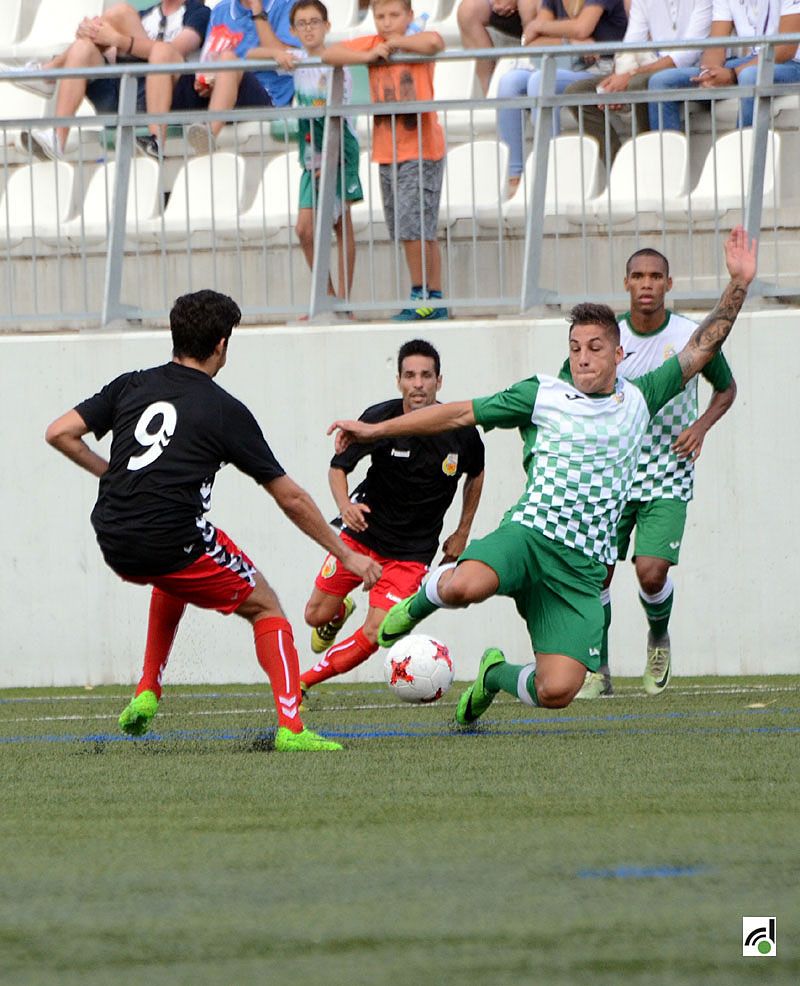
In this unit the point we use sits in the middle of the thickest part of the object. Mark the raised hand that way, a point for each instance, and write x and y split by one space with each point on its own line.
741 255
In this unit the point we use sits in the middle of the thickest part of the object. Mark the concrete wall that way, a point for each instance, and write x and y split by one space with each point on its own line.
67 620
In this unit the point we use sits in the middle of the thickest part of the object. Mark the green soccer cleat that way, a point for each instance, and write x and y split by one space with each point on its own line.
659 664
138 714
397 623
286 741
597 684
477 698
322 637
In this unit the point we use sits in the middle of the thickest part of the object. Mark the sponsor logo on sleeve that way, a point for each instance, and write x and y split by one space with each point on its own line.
450 464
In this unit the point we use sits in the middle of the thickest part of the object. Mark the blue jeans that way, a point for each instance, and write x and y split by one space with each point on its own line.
510 123
681 78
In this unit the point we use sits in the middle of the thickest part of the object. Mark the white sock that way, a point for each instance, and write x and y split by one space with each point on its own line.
432 586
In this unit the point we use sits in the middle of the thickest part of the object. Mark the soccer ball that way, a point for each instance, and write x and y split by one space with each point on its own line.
418 669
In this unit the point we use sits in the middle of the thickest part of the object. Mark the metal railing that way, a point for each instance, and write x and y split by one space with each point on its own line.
546 245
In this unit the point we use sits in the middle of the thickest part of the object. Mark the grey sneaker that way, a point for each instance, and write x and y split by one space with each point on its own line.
148 145
200 139
659 664
596 685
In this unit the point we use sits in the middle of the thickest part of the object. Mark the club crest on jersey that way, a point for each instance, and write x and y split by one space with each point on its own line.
329 568
450 464
669 351
619 397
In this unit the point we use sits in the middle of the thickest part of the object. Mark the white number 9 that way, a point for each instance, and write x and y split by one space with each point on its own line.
154 441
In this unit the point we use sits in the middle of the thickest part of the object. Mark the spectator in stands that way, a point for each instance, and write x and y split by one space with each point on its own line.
172 28
310 23
238 29
409 147
649 20
558 22
747 20
506 16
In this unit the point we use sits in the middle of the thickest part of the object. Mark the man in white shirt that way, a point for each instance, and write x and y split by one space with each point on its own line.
747 19
649 20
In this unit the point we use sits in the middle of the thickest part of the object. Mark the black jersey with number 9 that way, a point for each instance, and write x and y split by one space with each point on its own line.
172 429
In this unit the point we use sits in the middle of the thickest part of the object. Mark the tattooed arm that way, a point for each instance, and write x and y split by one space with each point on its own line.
740 257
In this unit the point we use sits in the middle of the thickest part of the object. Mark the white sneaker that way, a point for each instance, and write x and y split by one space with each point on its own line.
200 139
42 144
39 87
659 664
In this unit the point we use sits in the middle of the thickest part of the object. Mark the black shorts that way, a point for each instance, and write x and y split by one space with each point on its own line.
186 97
511 25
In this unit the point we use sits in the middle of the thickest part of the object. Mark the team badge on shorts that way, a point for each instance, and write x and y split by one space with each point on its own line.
329 568
450 464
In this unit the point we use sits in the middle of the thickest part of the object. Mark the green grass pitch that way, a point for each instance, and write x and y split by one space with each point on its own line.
619 841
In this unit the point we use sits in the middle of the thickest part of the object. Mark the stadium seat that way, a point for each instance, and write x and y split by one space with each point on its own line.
37 200
649 171
10 24
17 104
573 178
274 207
206 197
460 82
723 183
53 27
90 226
474 182
343 14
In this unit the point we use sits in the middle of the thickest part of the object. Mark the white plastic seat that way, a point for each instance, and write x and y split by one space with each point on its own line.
10 24
206 197
90 226
343 14
274 206
650 170
573 178
725 177
474 181
54 26
459 81
37 201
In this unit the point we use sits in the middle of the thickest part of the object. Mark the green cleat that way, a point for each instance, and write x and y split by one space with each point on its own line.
477 698
137 716
659 664
397 623
322 637
286 741
597 684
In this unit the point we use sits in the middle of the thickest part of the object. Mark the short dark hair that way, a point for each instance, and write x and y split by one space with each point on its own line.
199 320
418 347
647 252
591 314
318 5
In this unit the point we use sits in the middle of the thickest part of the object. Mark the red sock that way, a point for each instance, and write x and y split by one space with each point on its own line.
165 615
276 654
340 658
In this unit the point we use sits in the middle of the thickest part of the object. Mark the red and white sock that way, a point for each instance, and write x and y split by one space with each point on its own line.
277 655
340 658
162 625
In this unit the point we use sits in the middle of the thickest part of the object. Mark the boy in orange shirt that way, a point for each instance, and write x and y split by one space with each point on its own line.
409 147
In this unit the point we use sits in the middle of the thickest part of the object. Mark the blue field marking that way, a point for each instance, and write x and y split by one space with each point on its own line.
487 729
643 872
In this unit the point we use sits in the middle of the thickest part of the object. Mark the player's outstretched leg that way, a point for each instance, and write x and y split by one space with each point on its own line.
479 696
322 637
138 714
598 683
405 615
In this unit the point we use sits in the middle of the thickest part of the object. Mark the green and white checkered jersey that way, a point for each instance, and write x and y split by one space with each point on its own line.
660 473
580 453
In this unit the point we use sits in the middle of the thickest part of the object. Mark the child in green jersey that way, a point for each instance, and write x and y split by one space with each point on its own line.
309 21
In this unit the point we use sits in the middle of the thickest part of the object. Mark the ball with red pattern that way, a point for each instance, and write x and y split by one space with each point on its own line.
418 669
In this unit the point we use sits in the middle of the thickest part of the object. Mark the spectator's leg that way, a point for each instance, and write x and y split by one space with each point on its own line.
433 264
346 245
71 92
595 120
473 17
159 88
510 122
667 116
225 93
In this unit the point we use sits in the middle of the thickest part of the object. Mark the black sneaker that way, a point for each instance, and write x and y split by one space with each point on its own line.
149 146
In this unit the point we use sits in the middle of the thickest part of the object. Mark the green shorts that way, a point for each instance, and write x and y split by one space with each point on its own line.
659 528
556 589
309 191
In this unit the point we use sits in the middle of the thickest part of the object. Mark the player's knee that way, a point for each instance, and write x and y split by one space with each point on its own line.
312 615
652 578
553 694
